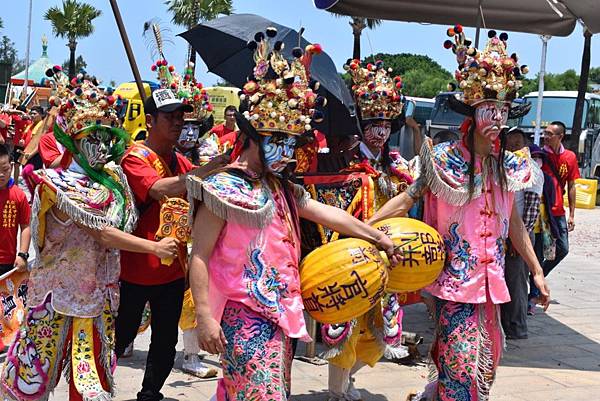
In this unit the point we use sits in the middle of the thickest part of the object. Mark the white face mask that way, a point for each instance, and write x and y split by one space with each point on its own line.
95 148
490 117
189 135
377 133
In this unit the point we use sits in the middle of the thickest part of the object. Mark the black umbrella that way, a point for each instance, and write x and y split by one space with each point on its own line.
222 44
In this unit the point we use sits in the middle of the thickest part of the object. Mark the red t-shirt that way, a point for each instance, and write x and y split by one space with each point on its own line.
567 168
48 149
15 210
145 268
21 124
229 138
6 119
221 130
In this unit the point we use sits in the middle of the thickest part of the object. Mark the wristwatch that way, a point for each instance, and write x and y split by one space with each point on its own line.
24 255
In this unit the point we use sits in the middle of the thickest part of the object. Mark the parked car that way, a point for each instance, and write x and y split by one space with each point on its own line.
418 108
442 116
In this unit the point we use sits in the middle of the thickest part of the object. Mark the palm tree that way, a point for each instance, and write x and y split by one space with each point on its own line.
358 24
73 21
189 13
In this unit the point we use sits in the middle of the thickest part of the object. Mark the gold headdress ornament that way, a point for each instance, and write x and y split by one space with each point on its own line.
489 74
187 88
281 95
377 94
87 107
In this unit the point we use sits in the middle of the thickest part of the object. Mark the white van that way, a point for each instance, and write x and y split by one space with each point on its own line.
560 106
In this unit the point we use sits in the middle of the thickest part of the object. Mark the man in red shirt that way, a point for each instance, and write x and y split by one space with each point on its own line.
4 127
561 165
14 215
50 150
154 171
226 131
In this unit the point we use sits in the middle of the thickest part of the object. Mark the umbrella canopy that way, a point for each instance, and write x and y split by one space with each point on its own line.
222 44
544 17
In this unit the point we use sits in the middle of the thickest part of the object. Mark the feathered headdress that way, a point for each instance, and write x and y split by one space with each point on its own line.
187 88
280 96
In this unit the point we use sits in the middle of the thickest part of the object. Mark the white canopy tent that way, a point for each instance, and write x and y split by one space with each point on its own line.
543 17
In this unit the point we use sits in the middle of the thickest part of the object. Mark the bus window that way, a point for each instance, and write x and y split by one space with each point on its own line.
134 111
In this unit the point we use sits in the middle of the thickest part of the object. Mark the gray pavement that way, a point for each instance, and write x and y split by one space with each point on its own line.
559 362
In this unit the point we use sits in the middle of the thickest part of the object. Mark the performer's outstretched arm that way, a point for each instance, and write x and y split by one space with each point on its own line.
399 205
519 238
340 221
206 231
174 186
111 237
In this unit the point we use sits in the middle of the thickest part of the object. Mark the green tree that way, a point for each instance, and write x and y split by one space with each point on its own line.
421 76
595 75
80 64
72 22
565 81
9 55
189 13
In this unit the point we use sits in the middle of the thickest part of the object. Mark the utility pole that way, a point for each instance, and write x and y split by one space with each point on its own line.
538 114
26 84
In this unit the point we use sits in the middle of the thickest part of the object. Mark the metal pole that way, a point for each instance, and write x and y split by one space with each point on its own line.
26 84
127 45
538 115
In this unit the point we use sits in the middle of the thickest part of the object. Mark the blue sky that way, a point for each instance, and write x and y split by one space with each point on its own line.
103 51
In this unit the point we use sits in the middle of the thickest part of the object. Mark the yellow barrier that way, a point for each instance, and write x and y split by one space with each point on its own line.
586 194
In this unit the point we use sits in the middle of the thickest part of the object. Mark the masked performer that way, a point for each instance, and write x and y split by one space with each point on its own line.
366 339
81 216
469 187
203 150
243 273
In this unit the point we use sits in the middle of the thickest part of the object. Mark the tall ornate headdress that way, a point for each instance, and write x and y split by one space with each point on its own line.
87 107
187 88
377 94
487 74
281 97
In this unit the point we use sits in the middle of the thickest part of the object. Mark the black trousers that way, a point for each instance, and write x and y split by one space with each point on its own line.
165 301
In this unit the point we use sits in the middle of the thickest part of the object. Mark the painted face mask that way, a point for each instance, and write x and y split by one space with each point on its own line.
95 148
278 150
490 117
377 133
189 135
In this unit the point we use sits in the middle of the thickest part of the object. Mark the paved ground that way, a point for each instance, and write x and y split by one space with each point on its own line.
560 361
